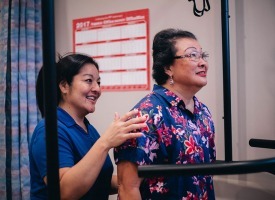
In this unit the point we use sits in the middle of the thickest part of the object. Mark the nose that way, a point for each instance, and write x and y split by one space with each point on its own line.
203 63
202 57
96 87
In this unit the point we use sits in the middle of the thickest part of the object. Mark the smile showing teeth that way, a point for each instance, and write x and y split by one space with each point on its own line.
202 73
91 98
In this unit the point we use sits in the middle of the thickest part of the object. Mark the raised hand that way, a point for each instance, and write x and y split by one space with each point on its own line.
123 128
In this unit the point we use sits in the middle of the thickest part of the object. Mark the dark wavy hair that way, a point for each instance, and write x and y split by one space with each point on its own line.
67 67
164 51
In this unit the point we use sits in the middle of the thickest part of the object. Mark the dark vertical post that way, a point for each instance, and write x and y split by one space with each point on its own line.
226 80
50 98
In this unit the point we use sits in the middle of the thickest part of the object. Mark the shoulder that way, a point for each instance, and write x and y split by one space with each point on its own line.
202 107
39 131
149 101
38 138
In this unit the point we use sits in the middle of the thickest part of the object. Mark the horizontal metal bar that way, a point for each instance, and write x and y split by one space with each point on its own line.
218 168
269 144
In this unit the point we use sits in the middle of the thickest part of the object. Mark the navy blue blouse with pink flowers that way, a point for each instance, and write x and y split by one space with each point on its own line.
173 135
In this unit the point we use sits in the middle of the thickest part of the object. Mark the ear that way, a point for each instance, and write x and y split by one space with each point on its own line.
168 71
64 87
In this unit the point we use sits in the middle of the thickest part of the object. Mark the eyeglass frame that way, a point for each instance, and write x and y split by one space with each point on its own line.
204 55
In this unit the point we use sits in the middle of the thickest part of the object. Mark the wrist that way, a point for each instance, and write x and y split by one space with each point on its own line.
103 145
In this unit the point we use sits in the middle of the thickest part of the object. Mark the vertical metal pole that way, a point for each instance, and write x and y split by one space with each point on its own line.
50 99
226 80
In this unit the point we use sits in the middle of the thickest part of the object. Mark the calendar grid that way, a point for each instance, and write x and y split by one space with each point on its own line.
120 44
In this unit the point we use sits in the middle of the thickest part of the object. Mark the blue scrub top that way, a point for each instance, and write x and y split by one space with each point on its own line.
73 144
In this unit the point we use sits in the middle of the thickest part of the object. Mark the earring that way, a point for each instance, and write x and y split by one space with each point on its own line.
171 81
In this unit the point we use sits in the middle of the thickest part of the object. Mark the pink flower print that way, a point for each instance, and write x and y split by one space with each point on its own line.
181 155
157 118
189 196
157 185
159 133
205 196
139 114
173 129
190 144
167 139
145 129
162 131
146 104
170 93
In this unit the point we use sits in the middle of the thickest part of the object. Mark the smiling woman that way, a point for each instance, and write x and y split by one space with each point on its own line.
85 169
180 129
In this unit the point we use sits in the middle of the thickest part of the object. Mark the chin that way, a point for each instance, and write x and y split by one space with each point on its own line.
91 110
203 83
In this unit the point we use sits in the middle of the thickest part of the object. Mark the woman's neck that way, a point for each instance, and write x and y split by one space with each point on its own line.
78 117
184 93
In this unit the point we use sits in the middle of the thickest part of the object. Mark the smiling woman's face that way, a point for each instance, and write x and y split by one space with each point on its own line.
81 96
185 71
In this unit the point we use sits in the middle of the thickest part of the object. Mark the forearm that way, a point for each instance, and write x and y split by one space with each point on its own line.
126 193
76 181
128 181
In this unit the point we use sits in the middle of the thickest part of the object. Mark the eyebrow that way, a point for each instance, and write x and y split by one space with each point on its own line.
88 75
92 76
191 48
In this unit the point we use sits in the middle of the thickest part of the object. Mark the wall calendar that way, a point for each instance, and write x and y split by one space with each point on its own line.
120 44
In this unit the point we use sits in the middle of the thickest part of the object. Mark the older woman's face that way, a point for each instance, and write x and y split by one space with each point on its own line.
189 71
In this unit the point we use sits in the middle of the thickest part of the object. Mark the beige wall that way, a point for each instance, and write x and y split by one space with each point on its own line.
252 30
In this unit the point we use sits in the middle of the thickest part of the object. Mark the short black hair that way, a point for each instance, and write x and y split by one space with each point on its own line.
164 51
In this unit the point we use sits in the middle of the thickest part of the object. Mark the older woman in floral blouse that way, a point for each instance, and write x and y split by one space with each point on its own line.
180 129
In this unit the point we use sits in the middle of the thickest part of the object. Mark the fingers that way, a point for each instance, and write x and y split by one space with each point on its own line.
117 117
131 121
133 135
133 127
129 115
136 120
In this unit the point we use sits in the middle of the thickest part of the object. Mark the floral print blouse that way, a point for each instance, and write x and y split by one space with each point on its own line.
173 135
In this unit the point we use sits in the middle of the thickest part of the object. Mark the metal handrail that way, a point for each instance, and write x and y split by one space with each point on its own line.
218 168
261 143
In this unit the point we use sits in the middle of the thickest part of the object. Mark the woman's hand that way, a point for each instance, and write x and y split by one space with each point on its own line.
123 128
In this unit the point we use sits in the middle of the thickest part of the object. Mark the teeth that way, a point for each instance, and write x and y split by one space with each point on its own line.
92 98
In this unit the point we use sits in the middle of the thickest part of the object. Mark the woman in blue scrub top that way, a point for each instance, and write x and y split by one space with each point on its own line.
85 168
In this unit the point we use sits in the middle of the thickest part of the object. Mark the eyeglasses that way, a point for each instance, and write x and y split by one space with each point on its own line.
194 56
